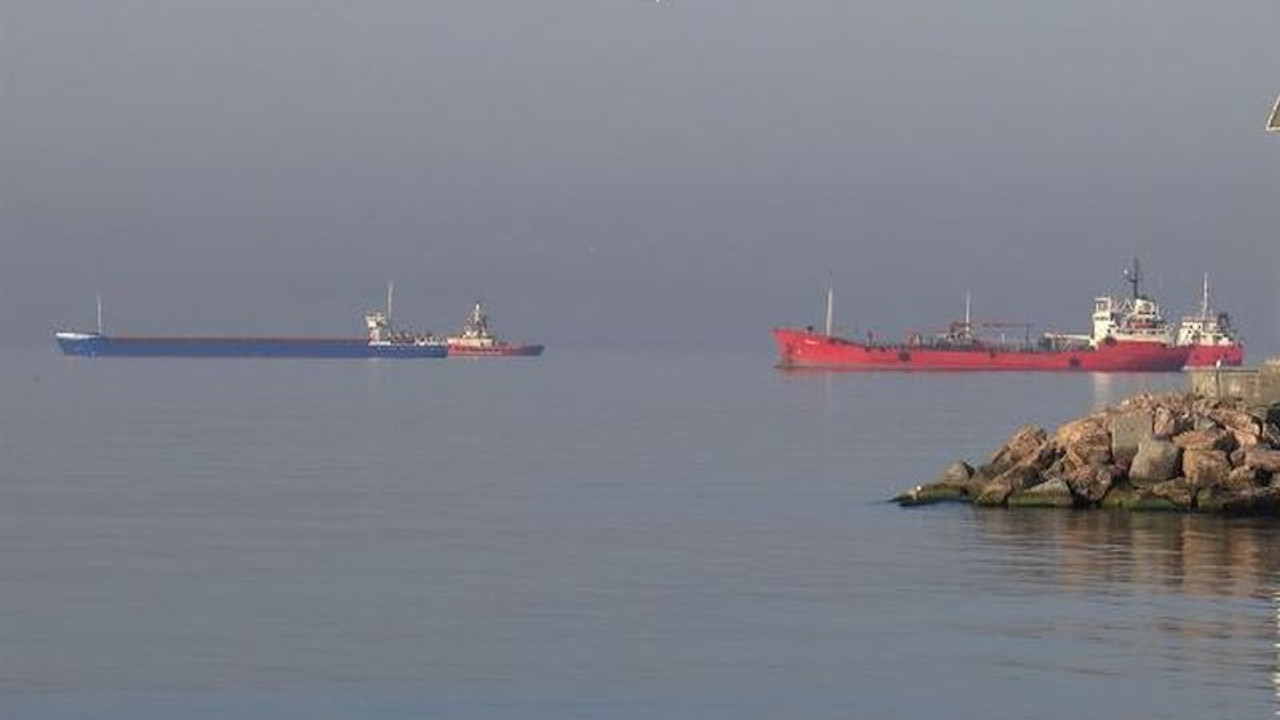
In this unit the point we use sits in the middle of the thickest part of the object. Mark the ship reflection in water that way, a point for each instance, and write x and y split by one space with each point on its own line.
1206 585
1111 389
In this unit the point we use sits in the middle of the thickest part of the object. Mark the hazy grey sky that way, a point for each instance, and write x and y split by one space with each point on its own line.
628 172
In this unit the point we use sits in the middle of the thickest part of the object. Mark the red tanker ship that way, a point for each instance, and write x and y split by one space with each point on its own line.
1129 335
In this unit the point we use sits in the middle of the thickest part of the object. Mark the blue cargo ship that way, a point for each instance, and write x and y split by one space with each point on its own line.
381 341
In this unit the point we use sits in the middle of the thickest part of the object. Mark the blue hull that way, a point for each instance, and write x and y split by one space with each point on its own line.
211 347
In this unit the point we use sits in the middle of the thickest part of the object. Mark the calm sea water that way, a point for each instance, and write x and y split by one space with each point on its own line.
586 535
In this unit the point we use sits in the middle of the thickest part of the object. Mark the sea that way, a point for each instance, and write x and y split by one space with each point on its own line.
590 534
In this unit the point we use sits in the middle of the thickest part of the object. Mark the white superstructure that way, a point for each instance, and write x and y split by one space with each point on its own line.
380 331
475 330
1133 319
1207 328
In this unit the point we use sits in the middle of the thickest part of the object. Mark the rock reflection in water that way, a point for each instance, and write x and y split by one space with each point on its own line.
1199 555
1199 592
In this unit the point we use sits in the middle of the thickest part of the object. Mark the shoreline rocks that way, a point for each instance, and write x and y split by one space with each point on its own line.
1177 453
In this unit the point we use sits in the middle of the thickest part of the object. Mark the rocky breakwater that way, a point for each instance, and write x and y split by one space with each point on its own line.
1182 452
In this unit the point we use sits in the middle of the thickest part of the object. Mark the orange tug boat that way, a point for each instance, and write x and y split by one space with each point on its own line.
1129 335
477 341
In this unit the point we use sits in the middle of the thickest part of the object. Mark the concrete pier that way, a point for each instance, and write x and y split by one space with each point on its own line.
1258 387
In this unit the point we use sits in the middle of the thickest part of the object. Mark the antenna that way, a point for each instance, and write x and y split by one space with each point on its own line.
1273 122
391 289
1204 298
1134 278
99 313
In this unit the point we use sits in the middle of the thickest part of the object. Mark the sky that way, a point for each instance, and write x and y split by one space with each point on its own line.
631 173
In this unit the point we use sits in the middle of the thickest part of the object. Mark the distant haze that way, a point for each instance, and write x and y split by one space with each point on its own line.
631 173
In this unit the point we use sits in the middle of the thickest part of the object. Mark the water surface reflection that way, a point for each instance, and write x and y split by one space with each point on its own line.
1189 596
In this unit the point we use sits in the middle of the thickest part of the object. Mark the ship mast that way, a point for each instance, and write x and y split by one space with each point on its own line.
830 298
391 288
1134 277
99 313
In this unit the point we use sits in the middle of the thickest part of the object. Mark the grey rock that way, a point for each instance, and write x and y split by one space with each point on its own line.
1137 500
1091 484
1256 501
1050 493
1165 423
1127 431
1156 461
929 494
1178 491
1016 478
1237 457
957 474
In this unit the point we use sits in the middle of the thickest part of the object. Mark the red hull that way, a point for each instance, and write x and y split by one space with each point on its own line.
1208 355
495 351
804 349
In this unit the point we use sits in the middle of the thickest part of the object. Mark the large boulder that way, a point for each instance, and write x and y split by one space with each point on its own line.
1085 442
1256 501
1126 497
1091 484
1243 439
1155 461
1165 422
1240 479
1271 433
956 475
1204 468
1019 477
1263 459
1238 422
1236 457
1178 492
994 493
1127 429
1050 493
929 494
1213 438
1026 442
